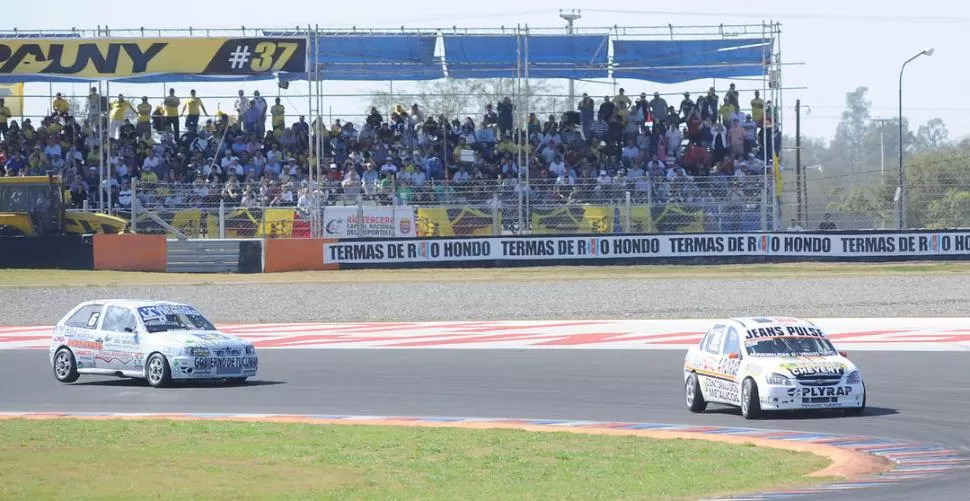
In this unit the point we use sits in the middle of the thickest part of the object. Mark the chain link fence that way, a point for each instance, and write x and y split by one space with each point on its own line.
934 199
666 203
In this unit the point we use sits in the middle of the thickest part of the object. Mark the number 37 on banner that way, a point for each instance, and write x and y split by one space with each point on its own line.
259 55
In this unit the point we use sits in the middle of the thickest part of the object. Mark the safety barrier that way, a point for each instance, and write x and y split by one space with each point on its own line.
156 253
695 248
66 252
202 256
130 252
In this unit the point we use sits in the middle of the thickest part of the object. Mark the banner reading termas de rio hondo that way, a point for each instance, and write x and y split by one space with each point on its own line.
648 246
106 58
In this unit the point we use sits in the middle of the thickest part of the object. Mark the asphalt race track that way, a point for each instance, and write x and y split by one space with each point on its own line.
918 396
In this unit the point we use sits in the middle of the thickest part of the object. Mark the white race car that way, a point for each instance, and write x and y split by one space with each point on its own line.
158 341
771 364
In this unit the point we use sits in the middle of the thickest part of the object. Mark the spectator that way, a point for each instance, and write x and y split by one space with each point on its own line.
827 224
61 106
119 109
172 113
687 154
191 111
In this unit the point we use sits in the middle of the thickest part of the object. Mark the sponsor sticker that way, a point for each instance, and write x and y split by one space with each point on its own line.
225 362
828 391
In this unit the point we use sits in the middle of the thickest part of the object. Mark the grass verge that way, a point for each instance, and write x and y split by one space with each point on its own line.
127 460
67 278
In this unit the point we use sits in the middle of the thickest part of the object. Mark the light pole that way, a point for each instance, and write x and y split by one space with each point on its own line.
570 17
902 173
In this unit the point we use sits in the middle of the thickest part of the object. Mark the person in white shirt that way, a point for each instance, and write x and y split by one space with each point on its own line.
565 179
260 105
674 137
557 167
241 105
389 166
630 153
151 162
604 180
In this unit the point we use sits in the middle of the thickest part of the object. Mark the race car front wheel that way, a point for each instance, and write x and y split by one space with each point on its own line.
157 371
857 411
695 399
750 403
65 366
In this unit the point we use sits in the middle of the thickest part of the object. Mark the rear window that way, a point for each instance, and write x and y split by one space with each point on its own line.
85 318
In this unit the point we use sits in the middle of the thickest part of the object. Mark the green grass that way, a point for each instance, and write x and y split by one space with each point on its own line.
63 278
132 460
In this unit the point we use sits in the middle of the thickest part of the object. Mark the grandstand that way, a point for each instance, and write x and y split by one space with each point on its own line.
694 161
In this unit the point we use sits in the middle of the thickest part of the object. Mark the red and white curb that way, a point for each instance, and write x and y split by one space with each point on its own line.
911 460
851 334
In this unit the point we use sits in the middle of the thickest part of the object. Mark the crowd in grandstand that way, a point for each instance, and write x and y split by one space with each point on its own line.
703 148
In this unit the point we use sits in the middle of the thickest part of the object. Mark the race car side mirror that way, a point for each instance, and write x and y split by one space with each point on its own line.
844 354
734 356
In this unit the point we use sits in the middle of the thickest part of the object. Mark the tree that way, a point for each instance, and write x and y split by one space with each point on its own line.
850 179
851 131
461 98
931 136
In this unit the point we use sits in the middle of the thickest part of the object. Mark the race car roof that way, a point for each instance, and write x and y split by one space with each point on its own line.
133 303
749 322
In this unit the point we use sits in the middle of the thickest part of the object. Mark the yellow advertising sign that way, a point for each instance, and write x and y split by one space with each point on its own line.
107 58
13 98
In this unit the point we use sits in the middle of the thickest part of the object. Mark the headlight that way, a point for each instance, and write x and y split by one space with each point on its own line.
779 380
854 377
250 349
194 351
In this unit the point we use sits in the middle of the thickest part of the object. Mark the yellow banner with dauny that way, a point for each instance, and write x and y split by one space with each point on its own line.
13 98
108 58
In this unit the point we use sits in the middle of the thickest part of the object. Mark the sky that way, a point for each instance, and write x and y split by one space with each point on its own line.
828 48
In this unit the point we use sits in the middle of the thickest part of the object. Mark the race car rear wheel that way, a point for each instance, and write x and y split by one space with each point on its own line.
750 402
157 371
65 366
695 399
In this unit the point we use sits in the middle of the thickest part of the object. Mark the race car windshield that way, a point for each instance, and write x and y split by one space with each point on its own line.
164 319
791 346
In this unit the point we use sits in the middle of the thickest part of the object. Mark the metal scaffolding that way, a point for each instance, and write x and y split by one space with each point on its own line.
770 81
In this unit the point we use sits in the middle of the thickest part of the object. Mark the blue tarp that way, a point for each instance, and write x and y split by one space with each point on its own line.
678 61
549 56
365 57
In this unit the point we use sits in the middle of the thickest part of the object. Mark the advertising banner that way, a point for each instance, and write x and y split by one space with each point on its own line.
107 58
369 221
818 245
13 97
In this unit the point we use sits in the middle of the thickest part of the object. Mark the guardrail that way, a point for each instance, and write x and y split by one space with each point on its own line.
202 256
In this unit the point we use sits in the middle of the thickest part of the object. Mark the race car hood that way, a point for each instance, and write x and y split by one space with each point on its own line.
205 339
836 366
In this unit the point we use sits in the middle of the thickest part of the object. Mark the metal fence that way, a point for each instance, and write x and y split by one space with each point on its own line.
870 200
620 204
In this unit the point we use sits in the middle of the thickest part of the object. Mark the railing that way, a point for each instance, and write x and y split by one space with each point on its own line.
658 204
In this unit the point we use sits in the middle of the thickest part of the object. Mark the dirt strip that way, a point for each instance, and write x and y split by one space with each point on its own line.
846 464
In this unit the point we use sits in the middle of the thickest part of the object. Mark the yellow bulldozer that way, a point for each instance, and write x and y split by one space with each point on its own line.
37 205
